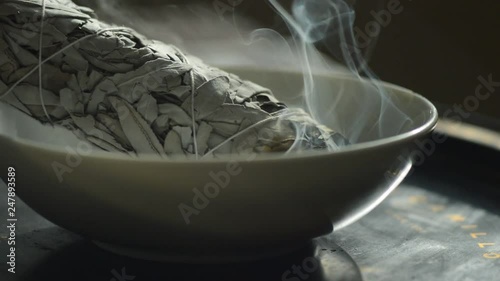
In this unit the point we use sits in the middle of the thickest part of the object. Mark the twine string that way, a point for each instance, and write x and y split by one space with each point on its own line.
40 46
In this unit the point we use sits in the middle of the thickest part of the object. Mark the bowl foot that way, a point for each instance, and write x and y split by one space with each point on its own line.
198 258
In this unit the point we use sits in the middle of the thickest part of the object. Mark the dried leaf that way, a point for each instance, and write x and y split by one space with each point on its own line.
102 90
186 135
161 124
115 128
13 100
29 95
74 59
70 100
176 114
99 137
202 136
205 102
173 144
148 108
140 135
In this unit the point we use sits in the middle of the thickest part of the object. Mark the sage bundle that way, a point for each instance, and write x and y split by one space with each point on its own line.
124 93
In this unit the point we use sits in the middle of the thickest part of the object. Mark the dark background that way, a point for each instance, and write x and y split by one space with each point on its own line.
439 48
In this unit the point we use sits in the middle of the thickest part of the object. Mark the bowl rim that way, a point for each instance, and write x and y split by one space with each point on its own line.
425 128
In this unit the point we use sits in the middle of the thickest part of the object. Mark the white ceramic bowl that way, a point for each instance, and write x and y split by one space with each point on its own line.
271 204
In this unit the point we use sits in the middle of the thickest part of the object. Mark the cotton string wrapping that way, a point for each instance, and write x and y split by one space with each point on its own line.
40 63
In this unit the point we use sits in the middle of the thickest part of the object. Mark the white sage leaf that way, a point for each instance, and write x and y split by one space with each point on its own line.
139 134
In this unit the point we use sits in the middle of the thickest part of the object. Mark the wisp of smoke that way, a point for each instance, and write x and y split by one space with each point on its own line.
331 22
